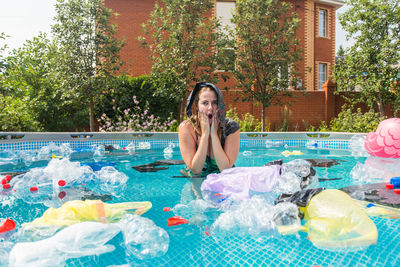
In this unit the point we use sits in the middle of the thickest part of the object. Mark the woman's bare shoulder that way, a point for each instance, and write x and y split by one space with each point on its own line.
186 126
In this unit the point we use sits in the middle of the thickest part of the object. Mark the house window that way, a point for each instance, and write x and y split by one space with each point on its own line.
283 75
322 22
322 68
224 11
226 54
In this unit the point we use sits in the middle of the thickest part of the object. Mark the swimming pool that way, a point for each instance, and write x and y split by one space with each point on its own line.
194 244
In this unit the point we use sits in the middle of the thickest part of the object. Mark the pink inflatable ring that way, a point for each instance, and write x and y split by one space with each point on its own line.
385 142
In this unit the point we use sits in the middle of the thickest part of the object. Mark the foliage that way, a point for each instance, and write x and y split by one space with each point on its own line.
15 116
182 38
349 121
3 47
247 123
120 95
89 50
286 116
134 120
266 50
369 65
37 91
341 52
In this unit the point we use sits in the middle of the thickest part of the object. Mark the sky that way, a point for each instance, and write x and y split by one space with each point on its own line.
23 19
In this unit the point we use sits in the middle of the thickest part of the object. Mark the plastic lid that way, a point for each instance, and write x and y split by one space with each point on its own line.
33 189
389 186
6 186
396 191
61 183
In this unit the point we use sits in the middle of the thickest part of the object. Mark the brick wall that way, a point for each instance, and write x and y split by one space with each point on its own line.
309 108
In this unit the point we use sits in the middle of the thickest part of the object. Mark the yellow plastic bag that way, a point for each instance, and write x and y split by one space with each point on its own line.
335 220
77 211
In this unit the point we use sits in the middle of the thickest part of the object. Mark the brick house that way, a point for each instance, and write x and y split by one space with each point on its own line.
316 35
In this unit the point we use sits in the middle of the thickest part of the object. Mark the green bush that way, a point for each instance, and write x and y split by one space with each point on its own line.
248 123
349 121
15 116
119 98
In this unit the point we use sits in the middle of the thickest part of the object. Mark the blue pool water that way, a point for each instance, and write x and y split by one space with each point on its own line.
191 245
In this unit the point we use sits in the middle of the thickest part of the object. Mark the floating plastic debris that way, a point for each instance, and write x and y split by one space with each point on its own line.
143 146
247 153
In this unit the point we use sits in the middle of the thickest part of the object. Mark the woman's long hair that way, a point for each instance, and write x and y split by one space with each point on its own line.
195 111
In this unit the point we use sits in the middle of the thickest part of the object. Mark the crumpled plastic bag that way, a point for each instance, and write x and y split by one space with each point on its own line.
89 210
237 182
78 240
334 220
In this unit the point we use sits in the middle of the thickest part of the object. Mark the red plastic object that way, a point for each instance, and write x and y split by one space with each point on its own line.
61 195
61 183
396 191
217 194
6 186
3 181
166 209
389 186
123 148
176 220
33 189
8 177
207 233
7 225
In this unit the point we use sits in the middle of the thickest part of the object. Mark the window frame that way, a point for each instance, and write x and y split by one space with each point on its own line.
226 49
323 24
319 75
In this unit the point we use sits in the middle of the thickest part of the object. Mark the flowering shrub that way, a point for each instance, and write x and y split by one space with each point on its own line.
134 119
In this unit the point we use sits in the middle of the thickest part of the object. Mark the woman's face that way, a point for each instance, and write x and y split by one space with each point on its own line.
208 102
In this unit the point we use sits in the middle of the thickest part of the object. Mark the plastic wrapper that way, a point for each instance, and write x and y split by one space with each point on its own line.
197 211
334 220
78 240
376 169
89 210
243 182
143 239
237 182
257 217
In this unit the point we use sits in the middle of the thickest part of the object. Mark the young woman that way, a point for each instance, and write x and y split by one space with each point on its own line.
208 141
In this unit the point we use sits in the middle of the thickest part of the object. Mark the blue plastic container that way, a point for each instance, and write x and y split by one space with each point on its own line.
395 181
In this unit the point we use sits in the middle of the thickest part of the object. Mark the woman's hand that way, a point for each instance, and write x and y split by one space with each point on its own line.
204 123
215 123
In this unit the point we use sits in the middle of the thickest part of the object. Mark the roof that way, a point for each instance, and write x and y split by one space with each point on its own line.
337 3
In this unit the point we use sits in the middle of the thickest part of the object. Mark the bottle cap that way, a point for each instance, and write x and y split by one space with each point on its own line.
396 191
33 189
6 186
389 186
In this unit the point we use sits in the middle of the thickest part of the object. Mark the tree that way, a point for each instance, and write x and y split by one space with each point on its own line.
369 65
182 38
90 50
266 52
3 47
341 52
34 95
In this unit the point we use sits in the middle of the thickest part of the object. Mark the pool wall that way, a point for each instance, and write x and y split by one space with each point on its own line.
34 141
